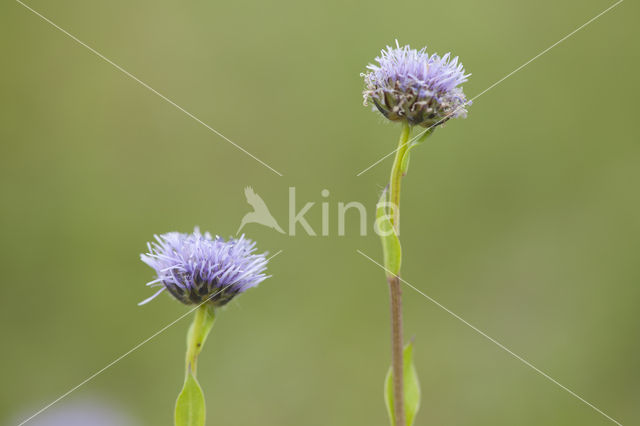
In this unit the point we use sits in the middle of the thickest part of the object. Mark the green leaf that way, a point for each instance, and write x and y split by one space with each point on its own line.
405 159
411 389
392 252
190 407
198 332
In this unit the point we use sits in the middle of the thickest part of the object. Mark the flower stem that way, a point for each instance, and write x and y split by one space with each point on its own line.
190 406
198 332
396 176
395 292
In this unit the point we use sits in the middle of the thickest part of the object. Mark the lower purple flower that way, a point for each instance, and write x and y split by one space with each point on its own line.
197 268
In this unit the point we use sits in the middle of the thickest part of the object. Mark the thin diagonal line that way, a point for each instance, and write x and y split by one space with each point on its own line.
500 345
115 361
493 85
133 77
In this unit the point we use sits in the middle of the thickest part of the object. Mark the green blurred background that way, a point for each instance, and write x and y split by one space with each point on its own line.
523 219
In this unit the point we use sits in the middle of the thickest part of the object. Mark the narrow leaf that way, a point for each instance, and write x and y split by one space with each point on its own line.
392 252
411 389
405 159
388 396
190 406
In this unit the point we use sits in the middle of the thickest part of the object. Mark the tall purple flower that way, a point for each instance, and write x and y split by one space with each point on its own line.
409 84
195 267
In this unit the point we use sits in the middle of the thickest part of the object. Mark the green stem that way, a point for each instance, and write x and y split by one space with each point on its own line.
395 292
190 406
396 176
198 332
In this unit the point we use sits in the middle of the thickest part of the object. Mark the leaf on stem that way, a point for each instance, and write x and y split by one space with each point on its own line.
190 406
392 252
411 389
405 159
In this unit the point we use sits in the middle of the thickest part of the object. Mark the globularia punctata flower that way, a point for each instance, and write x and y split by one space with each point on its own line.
196 267
412 88
409 84
208 272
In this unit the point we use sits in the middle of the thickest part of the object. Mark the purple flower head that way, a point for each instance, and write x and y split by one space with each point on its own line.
195 267
409 84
